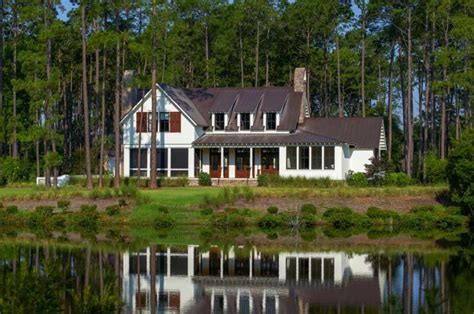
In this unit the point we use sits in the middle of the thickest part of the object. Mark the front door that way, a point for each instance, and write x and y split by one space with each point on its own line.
242 162
215 158
270 158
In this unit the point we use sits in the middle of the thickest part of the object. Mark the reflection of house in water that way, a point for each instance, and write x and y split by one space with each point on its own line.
243 280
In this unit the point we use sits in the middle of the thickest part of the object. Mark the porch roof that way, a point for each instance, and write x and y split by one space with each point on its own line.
263 140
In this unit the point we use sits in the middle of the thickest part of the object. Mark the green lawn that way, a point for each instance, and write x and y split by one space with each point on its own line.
14 191
181 196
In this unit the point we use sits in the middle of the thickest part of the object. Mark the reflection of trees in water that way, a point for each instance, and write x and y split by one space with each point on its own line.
427 283
49 280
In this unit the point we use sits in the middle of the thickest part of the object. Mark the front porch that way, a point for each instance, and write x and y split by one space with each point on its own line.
237 162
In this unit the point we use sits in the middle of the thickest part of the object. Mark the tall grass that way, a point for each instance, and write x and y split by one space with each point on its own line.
298 182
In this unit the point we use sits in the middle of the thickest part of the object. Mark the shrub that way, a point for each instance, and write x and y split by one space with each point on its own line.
377 213
88 209
447 222
357 179
228 220
308 209
112 210
57 221
180 181
422 209
64 205
263 180
163 221
122 202
45 212
435 168
298 181
128 190
337 211
162 209
398 179
376 171
12 209
340 217
272 210
207 211
269 221
1 205
460 171
13 170
248 193
205 179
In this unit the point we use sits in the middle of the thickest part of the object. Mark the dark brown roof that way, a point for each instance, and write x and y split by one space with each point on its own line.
360 132
275 99
266 139
356 292
183 101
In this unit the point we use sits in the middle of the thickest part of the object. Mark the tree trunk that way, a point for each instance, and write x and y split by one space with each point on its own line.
15 35
153 277
362 64
339 96
153 106
1 76
117 103
256 53
409 155
85 101
390 99
267 60
241 50
102 120
443 119
207 53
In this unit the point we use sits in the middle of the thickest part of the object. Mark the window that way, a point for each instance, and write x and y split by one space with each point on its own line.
142 122
134 161
328 157
219 122
271 121
179 162
316 157
162 161
291 158
245 121
304 157
164 122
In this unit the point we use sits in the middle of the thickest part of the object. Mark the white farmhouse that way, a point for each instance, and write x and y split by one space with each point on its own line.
243 132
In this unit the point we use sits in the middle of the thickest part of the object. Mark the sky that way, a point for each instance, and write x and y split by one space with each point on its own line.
67 7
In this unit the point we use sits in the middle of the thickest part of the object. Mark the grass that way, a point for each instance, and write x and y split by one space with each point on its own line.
181 196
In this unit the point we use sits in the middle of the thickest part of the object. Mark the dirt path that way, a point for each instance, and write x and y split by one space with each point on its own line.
360 204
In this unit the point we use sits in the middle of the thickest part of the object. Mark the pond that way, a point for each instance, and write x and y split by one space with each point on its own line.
237 277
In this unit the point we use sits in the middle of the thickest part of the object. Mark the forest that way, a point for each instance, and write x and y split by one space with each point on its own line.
62 73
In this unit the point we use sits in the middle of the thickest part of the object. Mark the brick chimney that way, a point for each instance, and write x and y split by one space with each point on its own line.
299 82
300 85
129 93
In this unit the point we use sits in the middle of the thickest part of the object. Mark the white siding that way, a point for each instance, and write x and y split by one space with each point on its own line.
359 158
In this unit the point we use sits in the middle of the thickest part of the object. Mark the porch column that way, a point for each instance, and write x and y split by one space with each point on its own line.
222 162
251 162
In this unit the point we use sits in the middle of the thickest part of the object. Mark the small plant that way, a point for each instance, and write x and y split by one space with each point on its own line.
205 179
272 210
248 193
398 179
12 209
112 210
163 221
85 208
308 209
422 209
357 179
162 209
122 202
1 205
207 211
263 180
64 205
45 212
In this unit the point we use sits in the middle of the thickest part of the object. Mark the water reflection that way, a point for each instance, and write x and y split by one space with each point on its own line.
232 279
247 280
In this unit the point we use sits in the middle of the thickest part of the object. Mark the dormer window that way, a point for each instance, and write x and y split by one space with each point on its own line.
219 121
245 121
271 123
